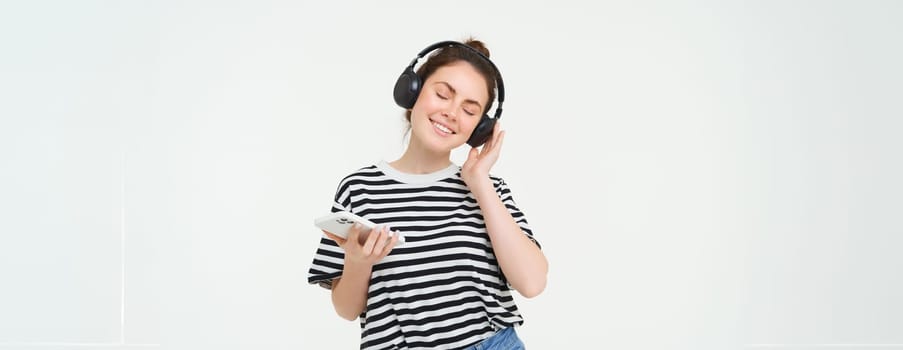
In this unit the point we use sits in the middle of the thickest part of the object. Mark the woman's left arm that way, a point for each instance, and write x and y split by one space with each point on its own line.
524 264
521 260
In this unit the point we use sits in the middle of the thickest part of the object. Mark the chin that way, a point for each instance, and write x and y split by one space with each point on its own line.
438 145
441 147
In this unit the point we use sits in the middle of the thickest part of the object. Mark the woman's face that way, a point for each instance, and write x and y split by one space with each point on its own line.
450 104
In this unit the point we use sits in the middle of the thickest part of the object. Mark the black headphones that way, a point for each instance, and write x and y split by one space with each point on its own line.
408 85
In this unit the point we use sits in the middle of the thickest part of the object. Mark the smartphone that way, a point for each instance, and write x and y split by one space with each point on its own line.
339 223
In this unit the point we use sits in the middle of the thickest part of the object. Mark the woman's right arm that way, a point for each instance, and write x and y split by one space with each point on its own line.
349 292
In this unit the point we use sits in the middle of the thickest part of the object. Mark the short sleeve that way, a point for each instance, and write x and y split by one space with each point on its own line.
329 259
501 188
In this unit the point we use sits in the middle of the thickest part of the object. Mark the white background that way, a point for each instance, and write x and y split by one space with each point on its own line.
702 174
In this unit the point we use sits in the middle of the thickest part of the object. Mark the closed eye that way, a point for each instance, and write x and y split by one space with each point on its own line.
441 96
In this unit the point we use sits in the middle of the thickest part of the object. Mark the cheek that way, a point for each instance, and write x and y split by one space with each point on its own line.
427 101
421 106
425 106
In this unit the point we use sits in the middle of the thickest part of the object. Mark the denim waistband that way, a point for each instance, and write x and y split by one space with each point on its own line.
505 339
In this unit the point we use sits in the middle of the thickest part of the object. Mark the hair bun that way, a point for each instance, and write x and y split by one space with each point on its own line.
476 44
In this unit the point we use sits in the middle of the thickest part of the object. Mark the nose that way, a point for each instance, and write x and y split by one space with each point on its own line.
449 111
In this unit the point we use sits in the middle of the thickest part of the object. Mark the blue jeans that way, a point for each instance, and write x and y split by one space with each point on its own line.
505 339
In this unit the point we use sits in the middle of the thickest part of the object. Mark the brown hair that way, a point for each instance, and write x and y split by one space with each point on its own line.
451 54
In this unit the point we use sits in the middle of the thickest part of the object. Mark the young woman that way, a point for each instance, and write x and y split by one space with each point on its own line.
448 286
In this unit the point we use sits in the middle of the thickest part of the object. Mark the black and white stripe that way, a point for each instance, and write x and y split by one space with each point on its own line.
441 289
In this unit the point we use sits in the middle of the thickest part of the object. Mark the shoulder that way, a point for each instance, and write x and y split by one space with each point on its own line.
367 171
498 183
367 175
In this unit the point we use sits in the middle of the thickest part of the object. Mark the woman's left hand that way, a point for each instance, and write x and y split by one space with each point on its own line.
479 161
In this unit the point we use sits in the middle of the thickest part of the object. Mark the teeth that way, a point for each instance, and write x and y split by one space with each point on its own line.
444 129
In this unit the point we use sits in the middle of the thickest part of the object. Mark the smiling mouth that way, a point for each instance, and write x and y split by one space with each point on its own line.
442 128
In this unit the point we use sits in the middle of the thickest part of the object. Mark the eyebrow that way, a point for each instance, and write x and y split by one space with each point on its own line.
455 92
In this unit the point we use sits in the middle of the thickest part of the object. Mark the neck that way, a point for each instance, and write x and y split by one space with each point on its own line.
419 160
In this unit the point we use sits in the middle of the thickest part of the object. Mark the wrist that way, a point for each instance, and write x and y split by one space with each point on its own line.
482 188
356 267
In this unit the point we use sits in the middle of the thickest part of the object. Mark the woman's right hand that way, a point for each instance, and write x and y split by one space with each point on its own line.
366 250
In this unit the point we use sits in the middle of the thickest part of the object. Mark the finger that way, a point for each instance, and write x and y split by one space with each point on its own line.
473 154
339 240
363 234
393 239
497 144
380 244
354 232
371 241
496 129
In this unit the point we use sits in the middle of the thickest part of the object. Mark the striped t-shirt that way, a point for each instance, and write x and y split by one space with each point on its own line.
442 288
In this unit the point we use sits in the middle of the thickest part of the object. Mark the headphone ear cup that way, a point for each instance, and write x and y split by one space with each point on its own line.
407 88
482 132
